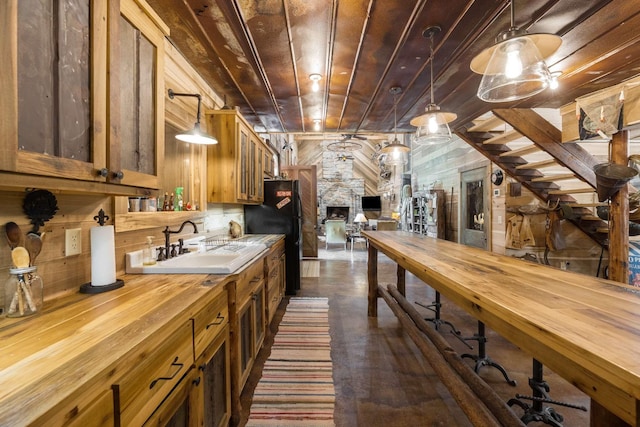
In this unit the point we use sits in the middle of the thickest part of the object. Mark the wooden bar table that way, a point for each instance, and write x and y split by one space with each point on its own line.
585 329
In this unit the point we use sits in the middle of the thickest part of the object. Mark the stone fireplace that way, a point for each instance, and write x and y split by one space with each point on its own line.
337 212
337 188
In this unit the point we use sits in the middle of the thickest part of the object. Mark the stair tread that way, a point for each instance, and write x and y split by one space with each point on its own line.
503 138
559 177
486 125
573 191
537 165
523 151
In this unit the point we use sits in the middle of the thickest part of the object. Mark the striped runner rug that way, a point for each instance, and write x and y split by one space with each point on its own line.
296 387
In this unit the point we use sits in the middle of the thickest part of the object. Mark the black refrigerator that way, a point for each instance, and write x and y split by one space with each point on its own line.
280 213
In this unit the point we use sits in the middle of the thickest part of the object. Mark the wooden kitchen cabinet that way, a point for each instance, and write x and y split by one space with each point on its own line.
211 395
247 314
98 413
210 398
235 165
202 397
158 370
90 113
275 272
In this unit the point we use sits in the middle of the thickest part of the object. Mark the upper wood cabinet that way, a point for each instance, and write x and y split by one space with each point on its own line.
83 84
235 166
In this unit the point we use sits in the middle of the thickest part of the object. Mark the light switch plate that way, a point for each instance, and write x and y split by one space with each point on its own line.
72 241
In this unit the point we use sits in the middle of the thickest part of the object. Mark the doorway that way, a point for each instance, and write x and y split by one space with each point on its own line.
474 208
307 176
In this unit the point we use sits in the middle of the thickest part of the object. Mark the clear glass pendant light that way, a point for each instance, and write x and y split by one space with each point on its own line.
433 125
514 68
396 152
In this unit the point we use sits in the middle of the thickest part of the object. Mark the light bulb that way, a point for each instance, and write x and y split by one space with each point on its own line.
315 86
553 80
433 124
513 68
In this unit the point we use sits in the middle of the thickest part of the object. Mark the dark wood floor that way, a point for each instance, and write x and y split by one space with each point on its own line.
380 377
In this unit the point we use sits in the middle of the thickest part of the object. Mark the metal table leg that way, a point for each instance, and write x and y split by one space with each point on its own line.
481 358
536 411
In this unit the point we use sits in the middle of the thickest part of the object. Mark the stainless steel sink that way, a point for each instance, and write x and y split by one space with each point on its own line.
218 261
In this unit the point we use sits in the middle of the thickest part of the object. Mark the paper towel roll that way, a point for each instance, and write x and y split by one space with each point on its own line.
103 256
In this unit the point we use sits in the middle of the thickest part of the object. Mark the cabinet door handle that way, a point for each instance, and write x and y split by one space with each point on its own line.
118 175
218 321
196 382
174 363
255 279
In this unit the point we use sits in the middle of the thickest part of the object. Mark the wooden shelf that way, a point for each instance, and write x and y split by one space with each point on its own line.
142 220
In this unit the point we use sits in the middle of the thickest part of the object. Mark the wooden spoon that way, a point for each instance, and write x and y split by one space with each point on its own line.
20 257
33 243
14 235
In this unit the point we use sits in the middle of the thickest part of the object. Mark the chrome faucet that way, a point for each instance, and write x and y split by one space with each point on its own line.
168 232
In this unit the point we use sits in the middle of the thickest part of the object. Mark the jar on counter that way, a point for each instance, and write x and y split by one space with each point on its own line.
23 292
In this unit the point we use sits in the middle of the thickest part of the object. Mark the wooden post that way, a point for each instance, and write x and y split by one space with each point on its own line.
618 255
401 280
619 216
372 275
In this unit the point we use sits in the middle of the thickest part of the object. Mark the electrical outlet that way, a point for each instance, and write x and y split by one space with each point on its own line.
73 241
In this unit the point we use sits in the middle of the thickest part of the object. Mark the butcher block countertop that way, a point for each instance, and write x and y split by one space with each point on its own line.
584 328
54 361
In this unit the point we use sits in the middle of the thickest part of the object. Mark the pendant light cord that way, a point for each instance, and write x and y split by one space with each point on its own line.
431 64
513 15
395 117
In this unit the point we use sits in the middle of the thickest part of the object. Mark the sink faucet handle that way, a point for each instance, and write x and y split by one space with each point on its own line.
173 251
161 255
181 248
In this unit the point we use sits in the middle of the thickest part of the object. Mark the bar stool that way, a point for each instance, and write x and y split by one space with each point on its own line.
481 358
536 411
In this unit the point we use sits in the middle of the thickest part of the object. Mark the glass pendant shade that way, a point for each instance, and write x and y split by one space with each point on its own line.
395 153
433 126
515 70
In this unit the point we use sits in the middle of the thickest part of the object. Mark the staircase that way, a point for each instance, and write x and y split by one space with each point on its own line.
561 172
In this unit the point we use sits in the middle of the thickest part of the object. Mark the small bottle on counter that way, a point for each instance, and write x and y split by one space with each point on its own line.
148 253
165 203
177 206
170 206
23 292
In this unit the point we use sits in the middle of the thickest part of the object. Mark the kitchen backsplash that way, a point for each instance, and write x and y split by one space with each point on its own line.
62 274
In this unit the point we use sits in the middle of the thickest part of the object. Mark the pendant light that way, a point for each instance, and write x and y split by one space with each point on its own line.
395 153
433 125
514 68
194 136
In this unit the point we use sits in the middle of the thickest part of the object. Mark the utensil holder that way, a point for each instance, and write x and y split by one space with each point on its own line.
23 292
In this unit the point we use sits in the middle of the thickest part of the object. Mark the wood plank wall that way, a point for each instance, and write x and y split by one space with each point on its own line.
66 274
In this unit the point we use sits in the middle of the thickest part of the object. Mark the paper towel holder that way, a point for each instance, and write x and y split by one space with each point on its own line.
88 288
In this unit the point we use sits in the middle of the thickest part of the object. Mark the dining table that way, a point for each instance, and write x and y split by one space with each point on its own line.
584 328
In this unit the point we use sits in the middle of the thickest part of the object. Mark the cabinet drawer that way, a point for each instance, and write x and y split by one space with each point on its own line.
210 321
158 370
98 413
248 281
273 298
273 257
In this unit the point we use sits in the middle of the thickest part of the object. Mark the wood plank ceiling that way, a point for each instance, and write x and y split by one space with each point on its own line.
260 54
